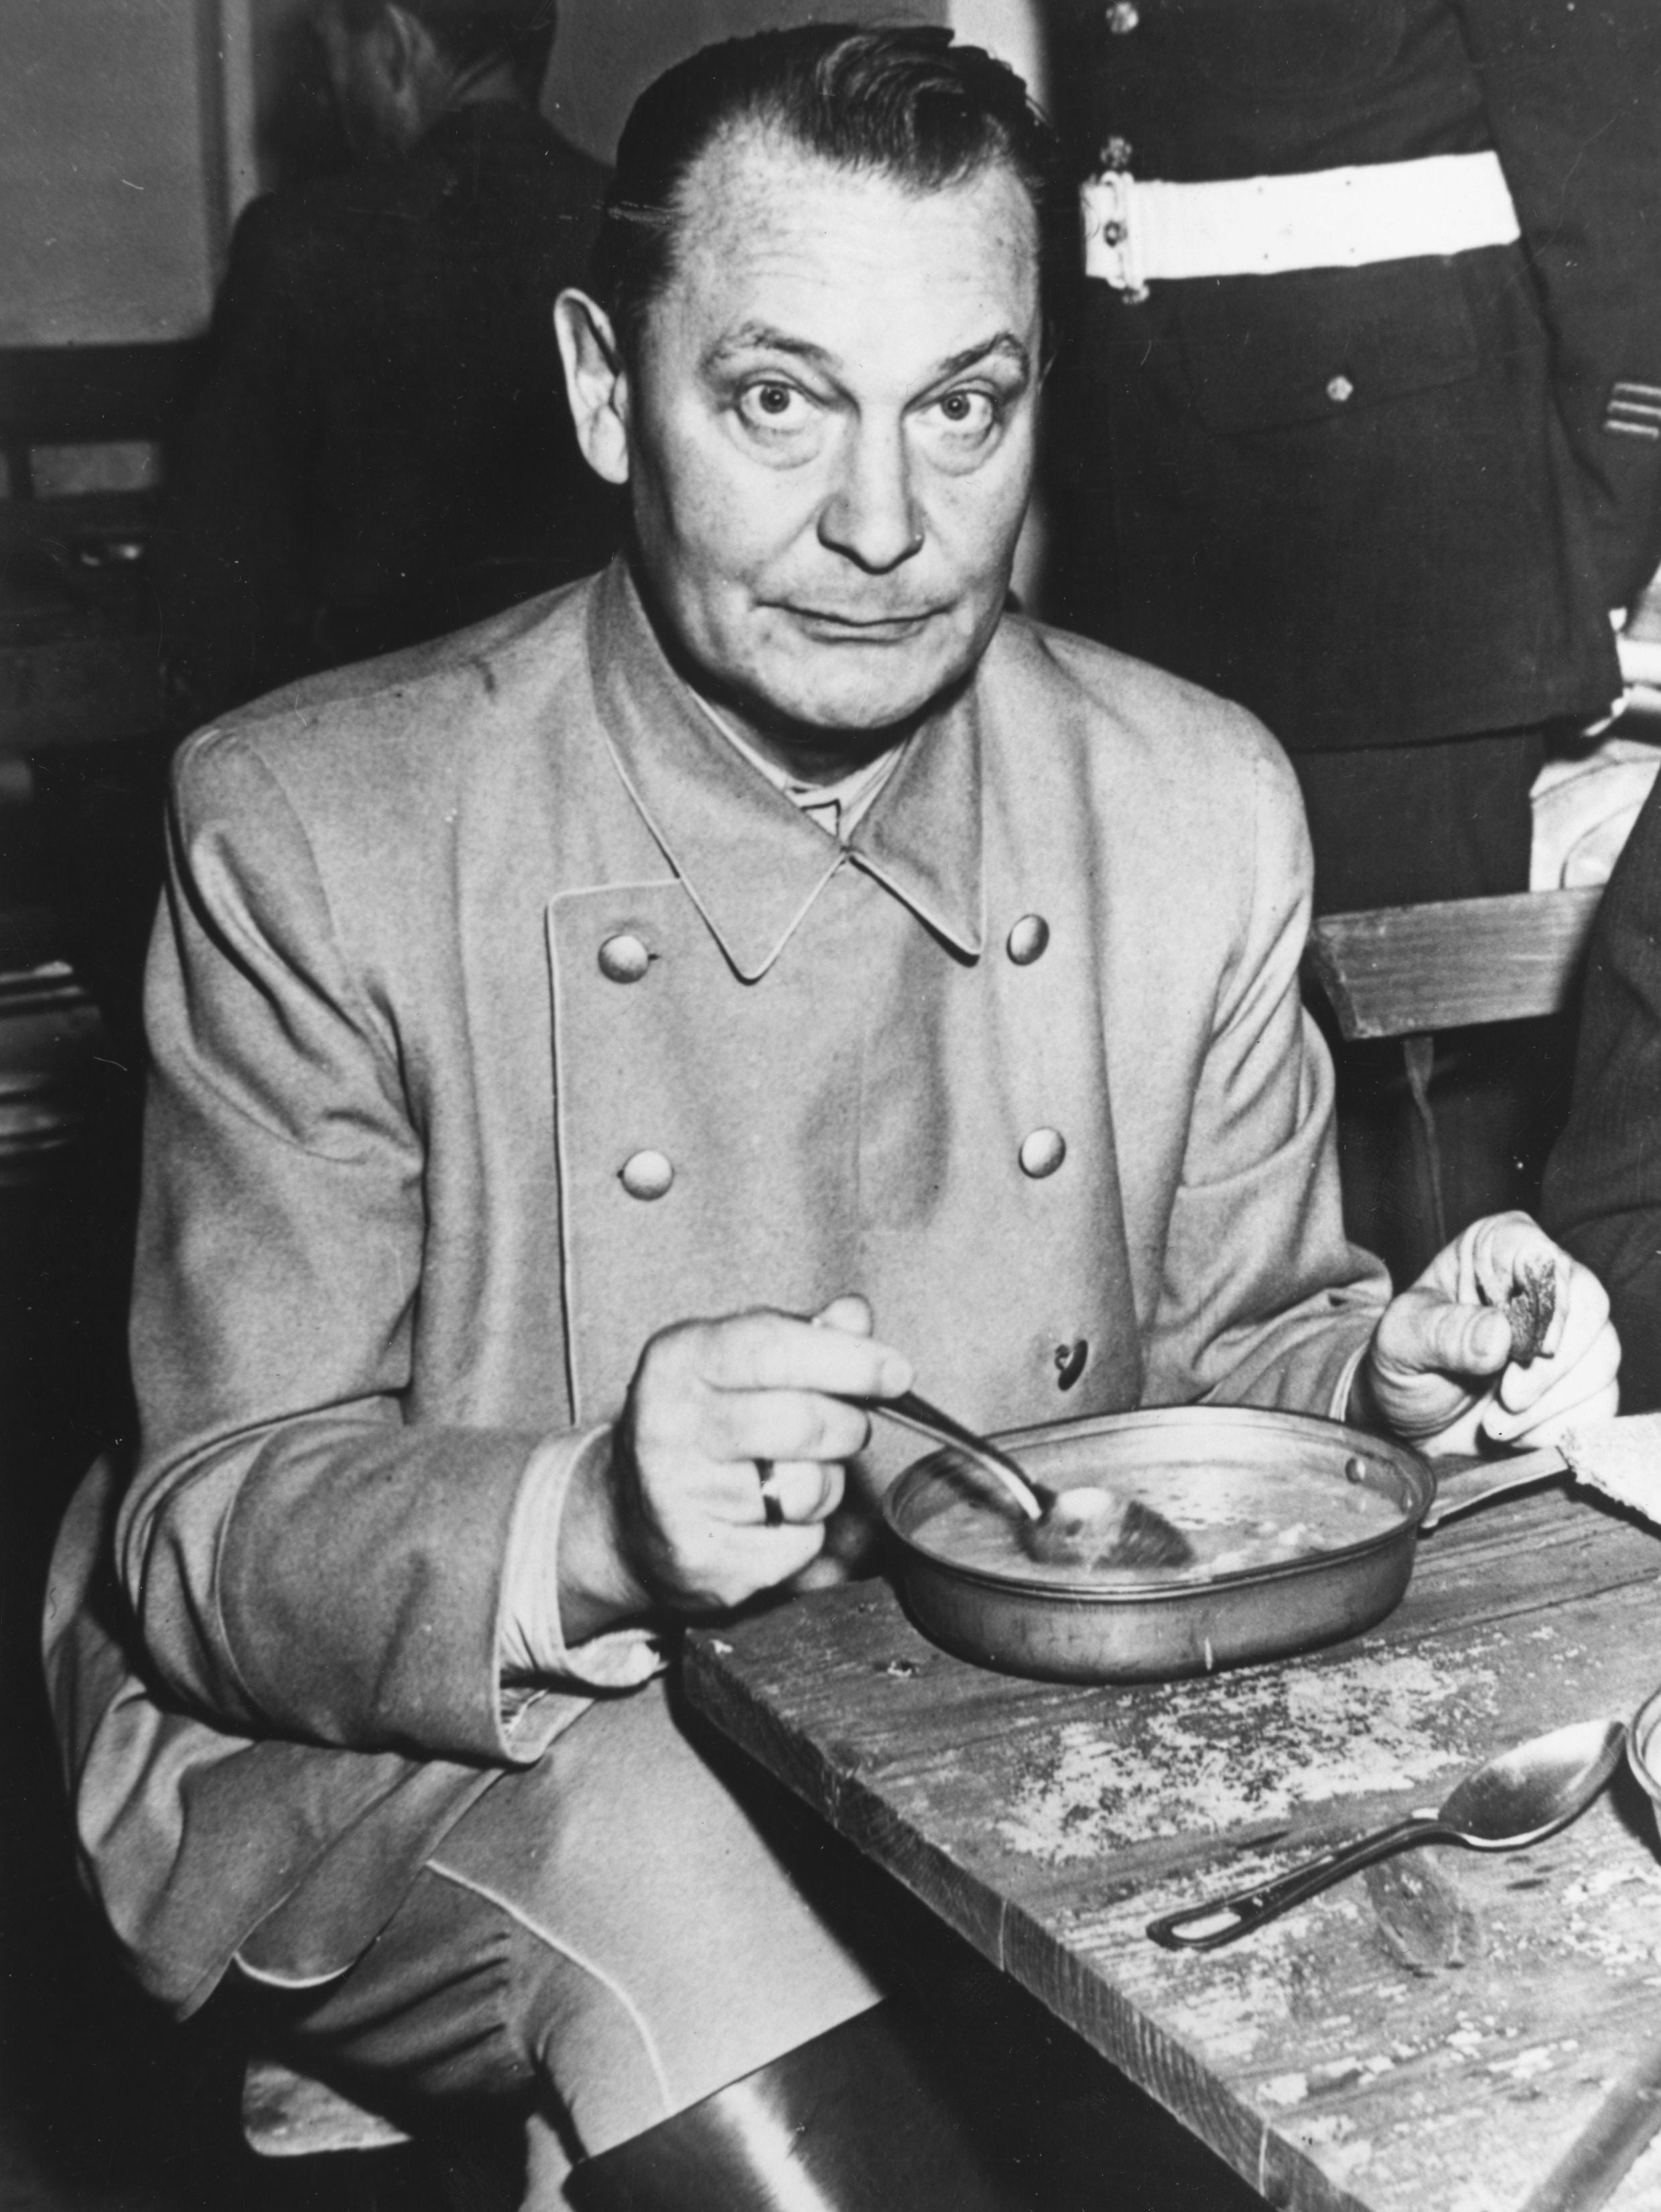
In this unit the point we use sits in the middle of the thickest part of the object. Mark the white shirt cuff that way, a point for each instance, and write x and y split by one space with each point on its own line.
531 1646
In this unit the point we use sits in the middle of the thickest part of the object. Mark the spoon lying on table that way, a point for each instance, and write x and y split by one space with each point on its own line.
1082 1526
1516 1798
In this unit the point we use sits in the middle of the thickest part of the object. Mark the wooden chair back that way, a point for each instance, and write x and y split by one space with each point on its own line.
1410 971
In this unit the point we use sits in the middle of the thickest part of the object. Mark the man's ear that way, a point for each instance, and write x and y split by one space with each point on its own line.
596 383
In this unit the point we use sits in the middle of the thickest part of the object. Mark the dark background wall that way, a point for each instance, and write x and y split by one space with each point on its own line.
132 130
112 192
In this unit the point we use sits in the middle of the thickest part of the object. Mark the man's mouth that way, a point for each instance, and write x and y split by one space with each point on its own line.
831 625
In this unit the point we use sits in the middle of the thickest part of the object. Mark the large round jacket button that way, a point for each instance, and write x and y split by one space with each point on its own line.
1027 939
1042 1152
623 958
646 1175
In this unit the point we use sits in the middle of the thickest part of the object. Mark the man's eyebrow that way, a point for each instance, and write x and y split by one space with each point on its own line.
1006 346
762 337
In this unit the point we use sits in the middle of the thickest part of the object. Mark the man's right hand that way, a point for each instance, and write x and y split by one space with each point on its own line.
677 1522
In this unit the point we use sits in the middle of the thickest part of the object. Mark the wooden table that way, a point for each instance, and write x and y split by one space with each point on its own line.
1440 2063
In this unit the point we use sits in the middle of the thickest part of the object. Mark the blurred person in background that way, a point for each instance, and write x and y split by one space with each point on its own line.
380 450
1365 432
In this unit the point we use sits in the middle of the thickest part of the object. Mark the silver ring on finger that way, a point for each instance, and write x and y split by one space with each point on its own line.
772 1508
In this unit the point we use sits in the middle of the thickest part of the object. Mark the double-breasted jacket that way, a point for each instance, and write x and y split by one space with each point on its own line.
501 1015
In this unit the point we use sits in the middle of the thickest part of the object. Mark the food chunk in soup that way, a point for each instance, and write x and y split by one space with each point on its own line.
1234 1520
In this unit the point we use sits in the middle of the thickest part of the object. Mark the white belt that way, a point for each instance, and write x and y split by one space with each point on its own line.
1137 232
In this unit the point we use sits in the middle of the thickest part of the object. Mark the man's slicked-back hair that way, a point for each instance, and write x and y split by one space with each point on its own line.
904 104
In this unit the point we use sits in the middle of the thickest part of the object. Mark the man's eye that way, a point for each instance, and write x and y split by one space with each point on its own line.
972 413
773 407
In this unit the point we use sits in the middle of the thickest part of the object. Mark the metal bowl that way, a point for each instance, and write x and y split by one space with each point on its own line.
1062 1629
1644 1750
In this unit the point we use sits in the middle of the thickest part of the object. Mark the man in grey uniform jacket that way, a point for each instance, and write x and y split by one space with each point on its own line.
767 928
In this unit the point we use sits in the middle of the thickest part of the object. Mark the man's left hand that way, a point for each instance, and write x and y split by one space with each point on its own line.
1443 1370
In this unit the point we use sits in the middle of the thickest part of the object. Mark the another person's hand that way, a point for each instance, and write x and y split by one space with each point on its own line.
1441 1371
726 1463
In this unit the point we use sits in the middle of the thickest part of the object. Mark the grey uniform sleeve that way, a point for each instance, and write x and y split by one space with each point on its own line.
300 1559
1265 1302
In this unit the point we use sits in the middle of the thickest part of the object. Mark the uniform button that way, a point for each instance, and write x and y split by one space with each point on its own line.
646 1175
1028 939
623 958
1339 389
1123 17
1042 1153
1116 152
1069 1362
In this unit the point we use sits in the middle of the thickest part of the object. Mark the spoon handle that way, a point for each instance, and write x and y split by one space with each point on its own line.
1203 1927
915 1412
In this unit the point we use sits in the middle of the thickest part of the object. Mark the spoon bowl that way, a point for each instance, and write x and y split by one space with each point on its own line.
1084 1525
1515 1799
1523 1795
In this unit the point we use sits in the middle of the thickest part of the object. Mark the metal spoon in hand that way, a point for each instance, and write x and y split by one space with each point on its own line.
1084 1526
1518 1798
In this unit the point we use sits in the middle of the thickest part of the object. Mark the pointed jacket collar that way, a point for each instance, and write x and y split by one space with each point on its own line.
751 863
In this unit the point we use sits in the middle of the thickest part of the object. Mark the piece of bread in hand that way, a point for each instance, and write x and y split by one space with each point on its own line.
1621 1458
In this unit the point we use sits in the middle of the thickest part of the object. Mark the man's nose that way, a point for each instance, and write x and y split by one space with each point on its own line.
872 515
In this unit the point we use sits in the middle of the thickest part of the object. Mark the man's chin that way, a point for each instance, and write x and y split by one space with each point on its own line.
867 699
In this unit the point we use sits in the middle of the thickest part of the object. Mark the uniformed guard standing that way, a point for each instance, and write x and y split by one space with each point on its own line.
1367 419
